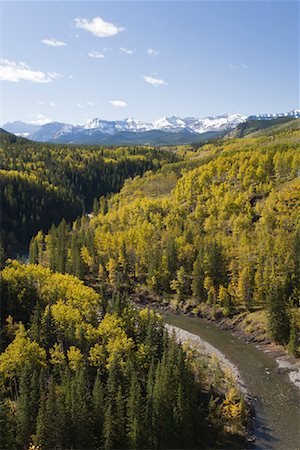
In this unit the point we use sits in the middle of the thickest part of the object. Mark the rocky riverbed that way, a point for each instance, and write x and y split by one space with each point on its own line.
203 347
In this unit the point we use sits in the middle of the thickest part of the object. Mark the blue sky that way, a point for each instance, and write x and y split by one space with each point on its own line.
72 61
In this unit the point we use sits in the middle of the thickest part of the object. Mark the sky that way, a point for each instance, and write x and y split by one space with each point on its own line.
71 61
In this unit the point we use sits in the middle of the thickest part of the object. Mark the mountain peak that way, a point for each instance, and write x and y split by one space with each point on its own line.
102 131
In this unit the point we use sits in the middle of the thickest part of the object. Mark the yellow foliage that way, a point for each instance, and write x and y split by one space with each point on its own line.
86 257
75 357
19 352
97 355
231 407
57 356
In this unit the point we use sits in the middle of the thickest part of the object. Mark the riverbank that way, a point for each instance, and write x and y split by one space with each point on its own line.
275 399
246 328
249 328
204 347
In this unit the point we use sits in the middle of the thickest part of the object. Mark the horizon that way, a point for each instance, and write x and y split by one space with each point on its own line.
85 60
138 120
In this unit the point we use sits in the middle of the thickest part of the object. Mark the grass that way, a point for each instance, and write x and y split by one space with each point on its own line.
256 324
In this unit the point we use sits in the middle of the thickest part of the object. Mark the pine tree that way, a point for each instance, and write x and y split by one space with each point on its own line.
293 338
135 414
35 323
98 410
198 278
24 413
96 206
48 332
82 434
41 426
7 426
278 318
120 419
114 419
33 251
149 416
50 429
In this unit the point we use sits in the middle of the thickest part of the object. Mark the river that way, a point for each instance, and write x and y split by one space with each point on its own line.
276 399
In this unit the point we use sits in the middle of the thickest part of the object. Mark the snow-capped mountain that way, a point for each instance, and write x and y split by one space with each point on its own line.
173 123
295 113
167 129
170 124
112 127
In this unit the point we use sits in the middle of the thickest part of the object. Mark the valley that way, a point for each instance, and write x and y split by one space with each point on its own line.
192 228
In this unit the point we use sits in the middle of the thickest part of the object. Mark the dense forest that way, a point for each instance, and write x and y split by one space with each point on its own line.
223 236
207 229
41 184
84 370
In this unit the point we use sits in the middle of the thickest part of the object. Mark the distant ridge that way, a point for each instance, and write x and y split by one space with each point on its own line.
167 130
255 126
164 131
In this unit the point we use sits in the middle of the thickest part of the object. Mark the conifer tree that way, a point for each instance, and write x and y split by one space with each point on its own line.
98 409
278 319
135 414
7 425
198 278
24 412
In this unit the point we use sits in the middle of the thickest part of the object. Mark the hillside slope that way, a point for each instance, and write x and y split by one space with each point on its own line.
262 127
224 234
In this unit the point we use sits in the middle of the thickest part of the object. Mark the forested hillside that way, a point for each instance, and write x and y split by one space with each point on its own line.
212 230
82 370
224 235
41 184
254 127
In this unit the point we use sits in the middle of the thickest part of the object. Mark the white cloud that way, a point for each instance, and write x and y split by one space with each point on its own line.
71 77
155 81
15 72
53 42
152 52
126 51
98 27
40 120
96 55
50 103
239 65
83 104
118 103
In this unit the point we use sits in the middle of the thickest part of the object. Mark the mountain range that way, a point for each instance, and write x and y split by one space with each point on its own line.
167 130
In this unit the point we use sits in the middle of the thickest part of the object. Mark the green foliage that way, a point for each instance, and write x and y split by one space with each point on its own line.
225 229
75 375
225 234
41 184
253 127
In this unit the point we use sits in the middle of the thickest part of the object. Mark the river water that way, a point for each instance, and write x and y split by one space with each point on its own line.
276 399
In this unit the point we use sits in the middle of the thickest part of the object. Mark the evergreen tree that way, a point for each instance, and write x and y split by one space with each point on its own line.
50 429
135 414
293 347
81 421
98 409
198 278
278 318
24 413
7 426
